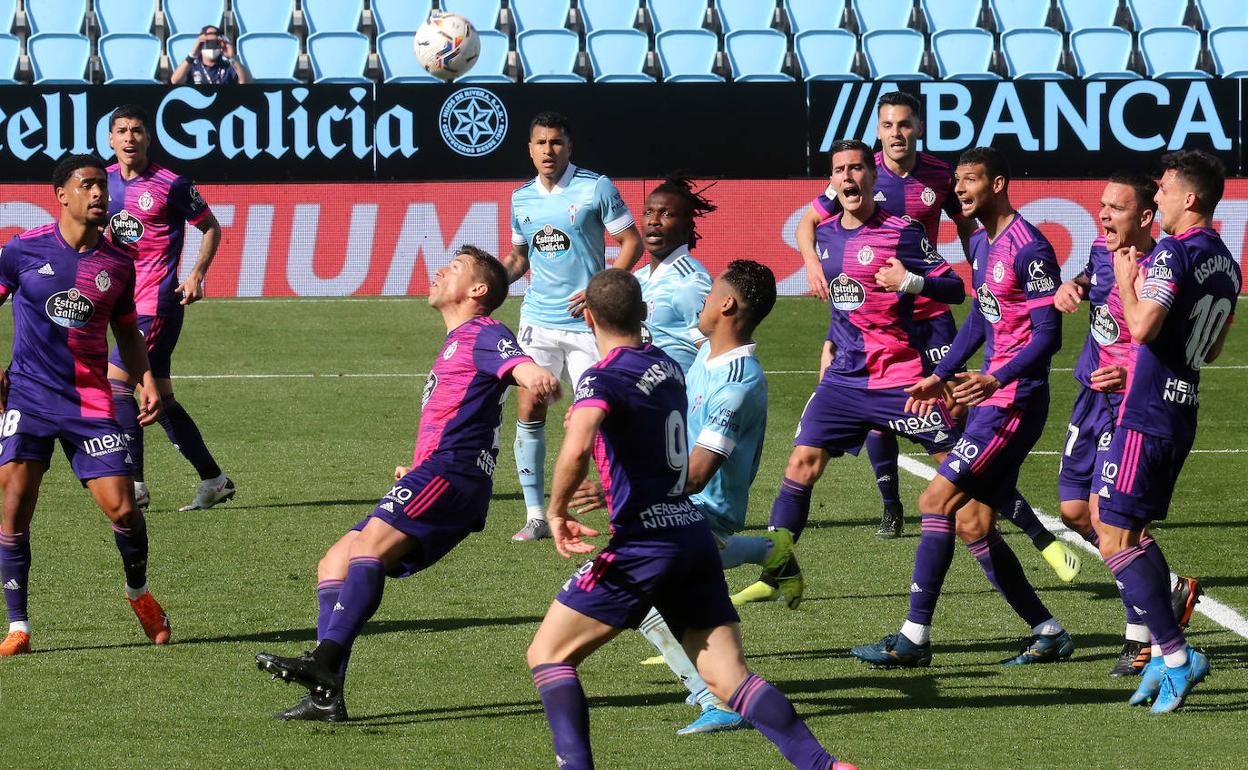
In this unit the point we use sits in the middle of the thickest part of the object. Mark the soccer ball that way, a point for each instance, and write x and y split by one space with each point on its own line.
447 45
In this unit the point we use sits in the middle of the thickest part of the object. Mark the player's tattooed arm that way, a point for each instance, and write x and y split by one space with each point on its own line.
815 279
538 381
1071 293
516 263
133 350
192 289
570 470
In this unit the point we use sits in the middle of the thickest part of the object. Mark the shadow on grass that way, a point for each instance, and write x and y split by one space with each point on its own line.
308 635
507 709
998 647
369 502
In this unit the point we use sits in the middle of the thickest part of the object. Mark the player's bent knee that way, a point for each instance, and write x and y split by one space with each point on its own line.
1075 515
974 521
805 465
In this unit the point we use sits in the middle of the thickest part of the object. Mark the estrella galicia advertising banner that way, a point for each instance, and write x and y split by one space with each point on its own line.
343 133
1068 129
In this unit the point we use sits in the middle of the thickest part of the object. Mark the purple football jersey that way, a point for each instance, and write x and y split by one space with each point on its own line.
869 323
148 217
1196 278
1109 339
1012 275
919 196
646 452
462 406
63 301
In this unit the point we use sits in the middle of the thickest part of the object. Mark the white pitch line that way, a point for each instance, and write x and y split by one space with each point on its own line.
1052 453
1219 613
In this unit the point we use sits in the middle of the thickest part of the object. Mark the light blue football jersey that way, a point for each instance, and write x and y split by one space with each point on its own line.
564 229
727 415
675 292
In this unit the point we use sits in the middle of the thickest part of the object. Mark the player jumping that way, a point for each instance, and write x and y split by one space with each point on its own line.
69 284
149 208
557 225
661 554
441 498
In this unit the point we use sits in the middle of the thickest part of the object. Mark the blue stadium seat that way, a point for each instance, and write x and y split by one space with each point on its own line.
608 14
333 15
130 57
270 56
882 14
263 15
1146 14
8 12
56 16
59 57
339 57
894 54
179 46
186 17
1033 54
1223 13
1103 54
1013 14
549 55
125 16
1084 14
757 55
10 50
491 66
1229 46
618 55
964 54
482 13
398 60
396 15
1171 52
676 14
540 14
951 14
826 54
807 15
687 55
745 14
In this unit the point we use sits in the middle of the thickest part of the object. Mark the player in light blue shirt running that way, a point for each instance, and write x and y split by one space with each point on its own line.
558 221
674 284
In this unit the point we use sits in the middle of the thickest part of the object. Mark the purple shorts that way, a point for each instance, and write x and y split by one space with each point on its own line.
1138 478
933 338
1091 429
680 576
96 447
434 507
837 419
987 458
161 333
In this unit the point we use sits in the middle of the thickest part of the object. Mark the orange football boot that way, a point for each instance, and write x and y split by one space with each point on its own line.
16 643
154 620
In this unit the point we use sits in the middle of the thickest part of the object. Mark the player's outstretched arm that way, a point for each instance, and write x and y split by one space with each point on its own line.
192 289
570 470
132 348
538 381
703 464
630 248
806 245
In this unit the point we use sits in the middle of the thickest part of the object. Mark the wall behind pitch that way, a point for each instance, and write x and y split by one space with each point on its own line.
369 239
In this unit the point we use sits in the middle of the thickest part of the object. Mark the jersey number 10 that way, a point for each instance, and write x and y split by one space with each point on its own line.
1209 317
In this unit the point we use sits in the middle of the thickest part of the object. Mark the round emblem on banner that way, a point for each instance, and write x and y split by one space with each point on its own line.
928 196
998 271
102 281
865 255
145 201
473 122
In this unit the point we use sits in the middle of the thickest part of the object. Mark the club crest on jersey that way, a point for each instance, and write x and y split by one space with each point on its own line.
125 227
846 294
989 307
998 271
928 196
431 383
572 209
1105 329
145 201
102 281
1040 280
552 241
70 309
865 255
450 350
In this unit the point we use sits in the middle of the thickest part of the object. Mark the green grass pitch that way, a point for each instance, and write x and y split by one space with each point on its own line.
439 681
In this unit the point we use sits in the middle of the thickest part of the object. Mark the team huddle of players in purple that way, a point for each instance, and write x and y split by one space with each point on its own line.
893 364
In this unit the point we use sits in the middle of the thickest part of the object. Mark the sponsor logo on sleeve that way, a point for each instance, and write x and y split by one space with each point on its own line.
70 309
1159 267
585 389
507 348
193 192
1040 281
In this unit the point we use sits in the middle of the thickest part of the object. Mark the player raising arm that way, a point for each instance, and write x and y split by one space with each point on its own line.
558 220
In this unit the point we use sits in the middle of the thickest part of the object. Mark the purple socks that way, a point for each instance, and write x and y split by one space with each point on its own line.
772 714
1147 588
882 452
185 436
567 713
931 564
791 508
15 573
132 545
1007 576
1019 512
